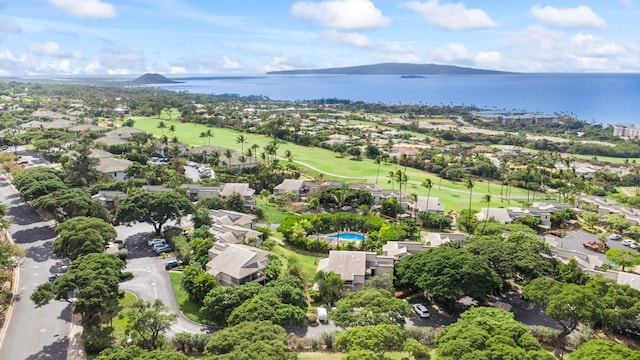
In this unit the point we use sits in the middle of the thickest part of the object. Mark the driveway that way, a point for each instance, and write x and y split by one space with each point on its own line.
573 241
32 333
151 281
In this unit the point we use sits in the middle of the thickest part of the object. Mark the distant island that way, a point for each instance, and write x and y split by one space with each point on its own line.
391 69
412 77
149 79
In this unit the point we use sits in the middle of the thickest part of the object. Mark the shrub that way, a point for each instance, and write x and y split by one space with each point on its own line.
312 318
545 335
424 335
126 275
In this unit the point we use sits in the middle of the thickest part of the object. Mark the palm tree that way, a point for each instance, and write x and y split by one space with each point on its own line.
172 129
487 199
203 135
288 155
209 135
378 161
428 184
162 126
469 186
414 198
255 148
391 177
241 140
228 154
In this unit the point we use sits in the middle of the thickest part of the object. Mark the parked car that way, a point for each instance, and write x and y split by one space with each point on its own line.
615 237
156 241
159 245
634 245
627 242
172 264
53 277
163 249
421 310
555 233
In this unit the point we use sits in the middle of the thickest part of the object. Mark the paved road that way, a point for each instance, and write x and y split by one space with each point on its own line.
31 333
151 280
573 241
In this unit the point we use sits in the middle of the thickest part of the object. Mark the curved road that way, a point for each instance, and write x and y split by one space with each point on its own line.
33 334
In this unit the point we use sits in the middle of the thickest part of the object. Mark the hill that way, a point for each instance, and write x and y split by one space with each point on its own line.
148 79
391 69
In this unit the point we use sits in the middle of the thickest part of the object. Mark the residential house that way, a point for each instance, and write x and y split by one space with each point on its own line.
109 198
114 168
233 234
233 162
247 193
500 215
236 264
434 239
431 204
355 267
399 249
197 191
232 218
297 187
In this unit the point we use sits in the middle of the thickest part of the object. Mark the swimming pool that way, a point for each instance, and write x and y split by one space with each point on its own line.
347 236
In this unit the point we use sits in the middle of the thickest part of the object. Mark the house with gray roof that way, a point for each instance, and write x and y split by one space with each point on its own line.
355 267
232 218
233 234
430 204
236 264
109 198
294 186
247 193
114 168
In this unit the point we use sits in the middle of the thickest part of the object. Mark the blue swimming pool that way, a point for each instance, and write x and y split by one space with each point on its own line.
347 236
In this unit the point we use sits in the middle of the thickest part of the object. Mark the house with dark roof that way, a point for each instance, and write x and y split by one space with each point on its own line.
109 198
430 204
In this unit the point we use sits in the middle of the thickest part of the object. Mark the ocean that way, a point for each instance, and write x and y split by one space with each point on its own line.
597 98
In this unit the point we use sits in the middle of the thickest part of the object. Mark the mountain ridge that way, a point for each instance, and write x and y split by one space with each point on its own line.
149 79
392 69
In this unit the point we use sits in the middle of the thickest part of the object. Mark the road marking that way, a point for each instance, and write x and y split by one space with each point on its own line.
43 330
155 290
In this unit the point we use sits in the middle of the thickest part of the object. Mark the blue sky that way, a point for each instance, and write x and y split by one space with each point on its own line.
227 37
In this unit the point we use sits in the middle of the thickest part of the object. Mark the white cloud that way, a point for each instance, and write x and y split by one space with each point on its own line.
86 8
452 16
588 45
578 17
341 14
94 68
177 70
119 71
229 64
349 38
628 4
277 63
49 48
61 66
452 53
488 59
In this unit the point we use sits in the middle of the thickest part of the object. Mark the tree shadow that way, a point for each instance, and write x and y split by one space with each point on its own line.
55 351
41 253
137 246
24 214
34 234
65 314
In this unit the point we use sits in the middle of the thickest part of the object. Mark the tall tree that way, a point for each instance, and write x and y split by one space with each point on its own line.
623 257
568 304
378 161
428 183
329 286
80 169
375 306
146 322
81 236
486 198
162 125
241 140
153 208
375 339
469 185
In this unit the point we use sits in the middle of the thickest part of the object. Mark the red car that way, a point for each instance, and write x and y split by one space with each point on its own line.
23 162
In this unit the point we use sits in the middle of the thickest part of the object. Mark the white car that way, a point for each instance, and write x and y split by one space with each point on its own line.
633 245
156 241
615 237
627 242
421 310
163 249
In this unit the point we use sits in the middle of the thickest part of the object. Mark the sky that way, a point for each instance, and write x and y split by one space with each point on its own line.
238 37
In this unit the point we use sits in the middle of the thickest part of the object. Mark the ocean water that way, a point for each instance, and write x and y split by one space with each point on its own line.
599 98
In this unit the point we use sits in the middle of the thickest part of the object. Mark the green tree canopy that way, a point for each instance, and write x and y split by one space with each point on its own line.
93 279
146 322
623 257
370 307
604 350
329 286
448 274
153 208
378 339
259 340
488 333
81 236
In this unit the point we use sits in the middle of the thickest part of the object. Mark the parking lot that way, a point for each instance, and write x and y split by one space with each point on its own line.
573 241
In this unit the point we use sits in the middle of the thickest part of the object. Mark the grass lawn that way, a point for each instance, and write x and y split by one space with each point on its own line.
189 308
120 324
273 214
309 262
331 165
